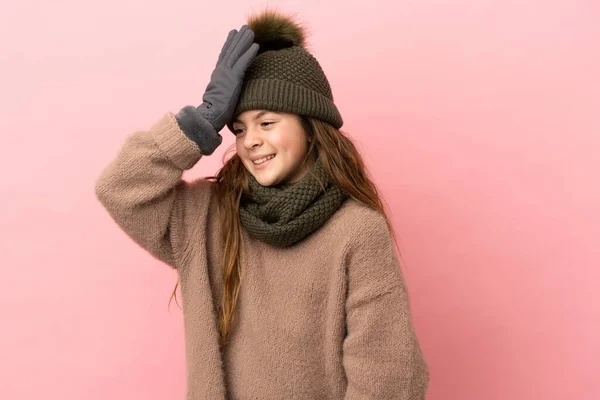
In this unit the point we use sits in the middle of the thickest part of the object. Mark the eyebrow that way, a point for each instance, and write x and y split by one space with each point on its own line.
257 116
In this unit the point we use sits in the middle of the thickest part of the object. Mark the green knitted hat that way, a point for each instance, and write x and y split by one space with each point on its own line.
284 76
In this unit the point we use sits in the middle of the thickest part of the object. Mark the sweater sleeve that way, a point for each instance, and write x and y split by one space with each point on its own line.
143 191
382 357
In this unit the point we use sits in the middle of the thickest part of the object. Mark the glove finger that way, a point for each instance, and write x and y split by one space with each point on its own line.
234 42
242 46
246 59
226 45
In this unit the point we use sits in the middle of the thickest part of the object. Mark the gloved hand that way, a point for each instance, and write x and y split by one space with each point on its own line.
222 93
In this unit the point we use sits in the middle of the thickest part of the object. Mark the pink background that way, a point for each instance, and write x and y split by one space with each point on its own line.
478 120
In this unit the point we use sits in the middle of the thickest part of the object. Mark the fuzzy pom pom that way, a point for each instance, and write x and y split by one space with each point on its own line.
274 30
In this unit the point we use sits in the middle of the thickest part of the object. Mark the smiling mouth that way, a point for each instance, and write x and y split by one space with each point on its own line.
263 160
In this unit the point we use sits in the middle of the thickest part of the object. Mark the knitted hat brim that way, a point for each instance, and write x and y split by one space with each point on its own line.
284 96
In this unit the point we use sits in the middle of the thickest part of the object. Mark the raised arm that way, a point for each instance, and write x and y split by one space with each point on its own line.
142 187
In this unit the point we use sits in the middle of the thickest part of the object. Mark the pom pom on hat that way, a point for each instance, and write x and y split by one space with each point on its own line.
274 30
287 79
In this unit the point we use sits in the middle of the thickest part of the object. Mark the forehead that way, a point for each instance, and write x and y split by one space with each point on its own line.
253 115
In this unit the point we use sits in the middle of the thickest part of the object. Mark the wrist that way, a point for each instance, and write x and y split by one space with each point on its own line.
198 128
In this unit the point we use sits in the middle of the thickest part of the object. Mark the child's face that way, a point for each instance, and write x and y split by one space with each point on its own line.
262 133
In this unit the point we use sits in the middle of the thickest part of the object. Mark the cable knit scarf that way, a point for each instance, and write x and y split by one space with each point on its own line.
285 214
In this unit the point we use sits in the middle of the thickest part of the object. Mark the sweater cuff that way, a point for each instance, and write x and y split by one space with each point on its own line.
182 151
198 129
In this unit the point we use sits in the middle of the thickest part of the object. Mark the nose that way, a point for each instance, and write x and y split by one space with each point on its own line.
252 138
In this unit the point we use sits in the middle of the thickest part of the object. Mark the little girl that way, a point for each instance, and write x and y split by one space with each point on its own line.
290 285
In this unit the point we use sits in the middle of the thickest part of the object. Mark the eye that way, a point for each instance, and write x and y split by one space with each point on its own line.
237 131
266 123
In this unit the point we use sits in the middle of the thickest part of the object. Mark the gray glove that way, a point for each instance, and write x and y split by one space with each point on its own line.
202 124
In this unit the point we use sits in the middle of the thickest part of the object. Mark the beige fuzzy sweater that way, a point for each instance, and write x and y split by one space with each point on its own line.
327 318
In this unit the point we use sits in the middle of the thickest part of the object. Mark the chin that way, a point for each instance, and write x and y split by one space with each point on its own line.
263 183
266 181
266 177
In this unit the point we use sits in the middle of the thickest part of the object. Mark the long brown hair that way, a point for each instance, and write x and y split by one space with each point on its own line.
340 159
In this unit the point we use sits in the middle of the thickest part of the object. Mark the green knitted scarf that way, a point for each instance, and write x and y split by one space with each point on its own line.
285 214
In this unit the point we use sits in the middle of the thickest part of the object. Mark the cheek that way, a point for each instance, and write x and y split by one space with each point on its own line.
239 147
241 151
293 145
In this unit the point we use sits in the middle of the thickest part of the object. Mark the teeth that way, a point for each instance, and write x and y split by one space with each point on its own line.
262 160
